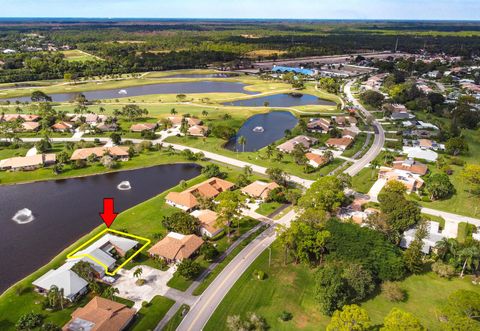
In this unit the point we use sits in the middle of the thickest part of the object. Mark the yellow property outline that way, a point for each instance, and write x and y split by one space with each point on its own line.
73 256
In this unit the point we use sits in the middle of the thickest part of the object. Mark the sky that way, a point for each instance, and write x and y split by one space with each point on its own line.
294 9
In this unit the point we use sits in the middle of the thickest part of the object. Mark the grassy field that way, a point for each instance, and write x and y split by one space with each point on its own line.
267 208
176 319
291 288
148 317
78 55
364 180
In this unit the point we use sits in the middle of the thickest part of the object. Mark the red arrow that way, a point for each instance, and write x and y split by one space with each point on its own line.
108 214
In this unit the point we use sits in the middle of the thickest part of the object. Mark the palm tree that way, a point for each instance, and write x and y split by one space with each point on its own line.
374 165
110 292
279 156
471 255
328 155
247 170
242 141
443 248
270 149
52 296
94 287
138 273
173 111
205 113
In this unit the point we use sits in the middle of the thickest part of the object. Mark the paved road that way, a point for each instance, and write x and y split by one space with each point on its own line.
201 311
378 142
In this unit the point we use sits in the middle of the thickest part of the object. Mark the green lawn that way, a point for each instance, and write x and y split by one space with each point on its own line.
148 317
364 180
357 145
222 242
266 208
291 288
177 318
211 277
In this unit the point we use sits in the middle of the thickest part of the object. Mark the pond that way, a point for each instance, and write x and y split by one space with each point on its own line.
282 100
273 125
65 210
134 91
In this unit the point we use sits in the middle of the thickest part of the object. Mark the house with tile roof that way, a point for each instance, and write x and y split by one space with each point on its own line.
176 247
100 314
316 160
26 163
208 221
259 190
288 146
117 152
339 143
140 127
209 189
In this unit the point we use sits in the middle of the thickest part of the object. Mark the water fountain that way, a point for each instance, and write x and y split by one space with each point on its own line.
124 186
258 129
124 92
23 216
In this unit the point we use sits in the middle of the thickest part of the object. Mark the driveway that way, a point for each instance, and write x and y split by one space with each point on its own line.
376 188
156 284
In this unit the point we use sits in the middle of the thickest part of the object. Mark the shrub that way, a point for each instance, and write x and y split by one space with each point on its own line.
286 316
259 274
140 282
188 269
29 321
393 292
443 270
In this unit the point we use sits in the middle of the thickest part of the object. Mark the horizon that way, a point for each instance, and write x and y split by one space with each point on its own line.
461 10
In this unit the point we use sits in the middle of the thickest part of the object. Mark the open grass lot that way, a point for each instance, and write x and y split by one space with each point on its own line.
291 288
148 317
364 180
78 55
6 152
267 208
177 318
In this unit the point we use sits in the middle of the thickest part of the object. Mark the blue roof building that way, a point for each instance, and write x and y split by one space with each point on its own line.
307 72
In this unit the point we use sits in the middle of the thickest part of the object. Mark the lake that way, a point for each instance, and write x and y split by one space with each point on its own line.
135 91
274 124
282 100
65 210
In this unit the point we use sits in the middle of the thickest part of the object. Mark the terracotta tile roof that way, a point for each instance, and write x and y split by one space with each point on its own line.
197 130
27 161
427 143
207 189
30 126
411 165
25 117
208 219
259 189
61 126
342 120
191 121
347 132
176 246
100 315
143 126
84 153
289 145
339 142
316 158
322 123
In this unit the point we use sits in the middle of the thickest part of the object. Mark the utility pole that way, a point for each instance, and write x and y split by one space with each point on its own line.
269 256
